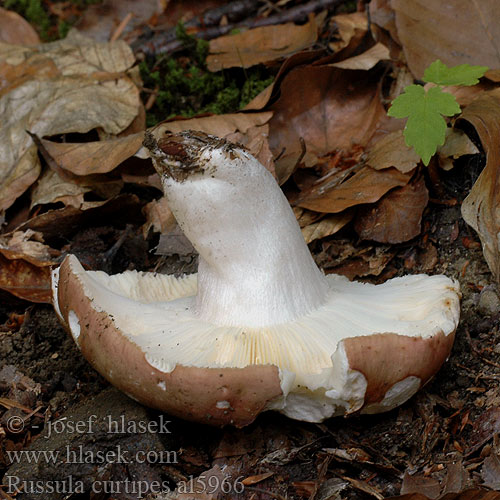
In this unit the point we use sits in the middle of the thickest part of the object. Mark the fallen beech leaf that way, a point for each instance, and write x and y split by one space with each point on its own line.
256 140
420 484
65 222
29 243
327 108
456 144
366 186
298 59
340 256
51 189
480 208
351 30
25 277
327 226
263 44
94 157
392 151
221 125
55 82
366 60
383 16
15 29
491 471
158 216
396 217
456 33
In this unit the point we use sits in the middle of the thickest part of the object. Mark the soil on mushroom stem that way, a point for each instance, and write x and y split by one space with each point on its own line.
435 428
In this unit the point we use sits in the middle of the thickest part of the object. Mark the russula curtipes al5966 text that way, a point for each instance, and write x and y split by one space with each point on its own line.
259 327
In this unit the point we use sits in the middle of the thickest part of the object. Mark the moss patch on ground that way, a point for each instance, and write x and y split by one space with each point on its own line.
185 87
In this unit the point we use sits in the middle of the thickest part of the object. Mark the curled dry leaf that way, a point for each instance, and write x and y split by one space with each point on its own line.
392 151
367 60
94 157
24 276
51 189
351 30
29 242
481 207
256 140
55 82
455 32
490 471
326 226
396 217
456 144
366 186
158 216
221 125
259 45
327 108
420 484
15 29
65 222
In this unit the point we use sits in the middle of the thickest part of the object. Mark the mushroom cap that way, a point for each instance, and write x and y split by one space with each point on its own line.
368 348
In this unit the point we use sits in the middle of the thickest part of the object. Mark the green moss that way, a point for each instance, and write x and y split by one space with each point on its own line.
187 88
37 13
33 12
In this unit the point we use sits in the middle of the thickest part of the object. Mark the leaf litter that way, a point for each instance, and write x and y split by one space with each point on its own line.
360 195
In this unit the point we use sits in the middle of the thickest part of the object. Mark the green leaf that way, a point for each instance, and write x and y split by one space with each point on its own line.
426 127
463 74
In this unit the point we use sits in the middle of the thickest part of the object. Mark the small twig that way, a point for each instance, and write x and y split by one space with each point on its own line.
121 27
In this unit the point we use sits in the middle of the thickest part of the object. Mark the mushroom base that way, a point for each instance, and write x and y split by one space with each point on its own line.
368 348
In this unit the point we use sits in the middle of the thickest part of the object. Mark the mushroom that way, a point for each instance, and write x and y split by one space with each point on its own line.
259 327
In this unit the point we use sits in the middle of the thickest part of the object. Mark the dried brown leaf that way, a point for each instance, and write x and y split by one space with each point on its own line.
64 222
73 85
15 29
392 151
481 207
94 157
51 189
456 32
158 216
396 217
491 471
420 484
366 60
456 144
326 226
221 125
259 45
327 108
256 140
24 276
351 30
366 186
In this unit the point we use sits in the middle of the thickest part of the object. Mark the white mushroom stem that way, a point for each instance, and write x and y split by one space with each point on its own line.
255 268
